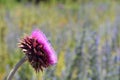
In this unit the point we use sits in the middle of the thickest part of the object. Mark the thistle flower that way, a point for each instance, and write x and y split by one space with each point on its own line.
38 50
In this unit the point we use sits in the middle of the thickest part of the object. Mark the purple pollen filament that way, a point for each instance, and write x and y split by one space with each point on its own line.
35 53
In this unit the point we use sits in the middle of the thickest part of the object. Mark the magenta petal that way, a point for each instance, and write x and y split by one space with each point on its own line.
40 36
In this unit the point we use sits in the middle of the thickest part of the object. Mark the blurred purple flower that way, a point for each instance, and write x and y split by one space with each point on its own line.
38 50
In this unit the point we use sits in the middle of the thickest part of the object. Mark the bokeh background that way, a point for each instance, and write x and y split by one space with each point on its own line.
84 33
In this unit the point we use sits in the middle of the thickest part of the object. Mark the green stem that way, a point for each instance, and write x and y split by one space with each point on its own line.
11 74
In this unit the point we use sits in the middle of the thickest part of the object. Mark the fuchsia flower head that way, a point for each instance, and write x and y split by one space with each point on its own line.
38 50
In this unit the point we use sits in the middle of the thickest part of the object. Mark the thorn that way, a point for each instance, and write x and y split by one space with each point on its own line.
24 50
20 46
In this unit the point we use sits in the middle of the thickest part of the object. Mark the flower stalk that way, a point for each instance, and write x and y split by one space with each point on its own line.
38 51
11 74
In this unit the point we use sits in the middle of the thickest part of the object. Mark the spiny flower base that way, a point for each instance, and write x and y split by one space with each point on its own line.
35 53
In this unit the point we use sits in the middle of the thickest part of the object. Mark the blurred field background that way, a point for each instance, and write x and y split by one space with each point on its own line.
84 33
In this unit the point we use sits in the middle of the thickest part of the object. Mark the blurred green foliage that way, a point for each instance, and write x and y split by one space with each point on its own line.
64 22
